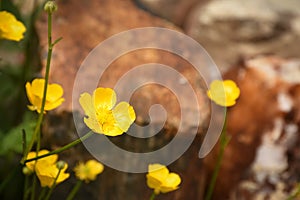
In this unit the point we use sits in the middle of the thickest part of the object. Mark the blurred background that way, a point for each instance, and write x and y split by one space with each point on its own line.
255 43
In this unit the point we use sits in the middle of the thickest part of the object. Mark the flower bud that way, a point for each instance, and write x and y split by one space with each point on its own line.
60 164
26 171
50 6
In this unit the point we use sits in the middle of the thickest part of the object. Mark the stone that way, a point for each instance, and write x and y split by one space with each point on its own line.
83 26
89 26
175 11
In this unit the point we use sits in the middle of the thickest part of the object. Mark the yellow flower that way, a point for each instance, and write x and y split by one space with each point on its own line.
50 159
46 169
88 172
10 27
223 93
47 173
35 92
102 117
159 179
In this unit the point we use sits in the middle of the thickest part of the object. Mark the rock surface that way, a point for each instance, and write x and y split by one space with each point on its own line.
85 25
89 26
234 29
175 11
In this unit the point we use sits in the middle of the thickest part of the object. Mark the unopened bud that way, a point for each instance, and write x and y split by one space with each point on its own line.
60 164
26 171
50 6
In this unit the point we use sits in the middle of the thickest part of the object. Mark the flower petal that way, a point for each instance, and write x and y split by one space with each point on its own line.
49 159
87 105
171 183
55 104
54 92
37 87
29 92
124 115
157 173
104 98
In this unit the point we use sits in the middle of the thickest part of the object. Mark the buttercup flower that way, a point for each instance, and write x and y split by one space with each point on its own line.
159 179
101 117
223 93
88 171
47 173
46 168
10 27
35 92
50 159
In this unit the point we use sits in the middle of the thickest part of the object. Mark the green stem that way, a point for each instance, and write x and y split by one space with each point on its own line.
53 185
153 195
42 194
224 140
74 190
26 189
68 146
33 188
37 131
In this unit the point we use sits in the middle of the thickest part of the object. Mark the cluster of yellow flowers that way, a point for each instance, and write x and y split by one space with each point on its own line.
103 117
50 171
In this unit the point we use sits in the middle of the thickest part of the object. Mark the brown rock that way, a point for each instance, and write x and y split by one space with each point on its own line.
230 29
85 25
175 11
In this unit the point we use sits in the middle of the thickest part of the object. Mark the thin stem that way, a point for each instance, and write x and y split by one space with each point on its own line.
53 185
37 131
44 190
153 195
74 190
33 188
224 140
26 189
68 146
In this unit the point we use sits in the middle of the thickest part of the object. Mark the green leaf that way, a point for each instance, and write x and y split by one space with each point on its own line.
12 140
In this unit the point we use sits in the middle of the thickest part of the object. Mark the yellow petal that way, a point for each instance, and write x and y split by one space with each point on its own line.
10 27
157 173
87 105
49 159
104 98
93 124
153 183
111 129
29 92
55 104
47 173
231 89
37 87
124 115
95 167
54 92
171 183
